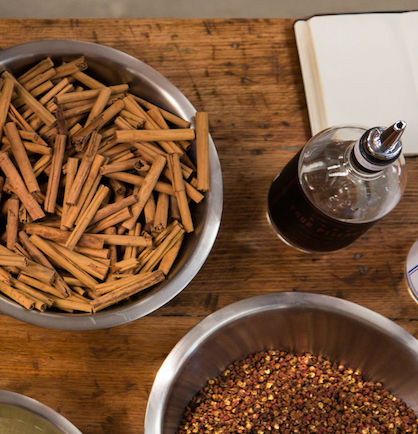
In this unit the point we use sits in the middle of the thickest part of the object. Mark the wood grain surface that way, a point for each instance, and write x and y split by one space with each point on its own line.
245 73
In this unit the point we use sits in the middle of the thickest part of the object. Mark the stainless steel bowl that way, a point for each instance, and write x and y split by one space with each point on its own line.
112 67
337 329
29 411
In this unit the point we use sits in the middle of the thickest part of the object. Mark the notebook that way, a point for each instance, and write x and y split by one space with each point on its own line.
361 69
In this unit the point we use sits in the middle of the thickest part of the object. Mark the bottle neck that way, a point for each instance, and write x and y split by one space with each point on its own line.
360 168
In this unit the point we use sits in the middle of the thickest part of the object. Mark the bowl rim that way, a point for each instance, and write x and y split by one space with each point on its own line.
36 407
181 352
210 227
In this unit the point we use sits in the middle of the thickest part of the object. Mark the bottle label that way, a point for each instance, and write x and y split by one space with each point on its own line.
299 222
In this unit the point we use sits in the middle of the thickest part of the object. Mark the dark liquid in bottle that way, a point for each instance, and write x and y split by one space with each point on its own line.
300 223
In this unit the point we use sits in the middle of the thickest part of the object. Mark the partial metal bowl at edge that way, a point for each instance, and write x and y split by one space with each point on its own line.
342 331
114 67
37 409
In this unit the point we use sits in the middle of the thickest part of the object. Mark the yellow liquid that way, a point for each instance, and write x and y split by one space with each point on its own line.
16 420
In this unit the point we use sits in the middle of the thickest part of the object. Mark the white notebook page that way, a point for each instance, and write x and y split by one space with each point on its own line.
366 70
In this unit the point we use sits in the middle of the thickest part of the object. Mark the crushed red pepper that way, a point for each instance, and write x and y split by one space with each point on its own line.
275 391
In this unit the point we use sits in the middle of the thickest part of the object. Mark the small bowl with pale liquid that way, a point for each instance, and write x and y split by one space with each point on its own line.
20 414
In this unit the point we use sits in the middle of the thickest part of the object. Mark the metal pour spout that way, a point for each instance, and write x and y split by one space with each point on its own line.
391 135
383 144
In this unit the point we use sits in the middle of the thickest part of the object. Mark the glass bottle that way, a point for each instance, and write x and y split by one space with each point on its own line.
337 186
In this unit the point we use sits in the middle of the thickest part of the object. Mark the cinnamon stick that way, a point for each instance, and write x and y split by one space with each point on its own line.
61 236
179 189
121 166
161 212
5 98
125 265
126 136
17 296
40 272
150 181
87 217
87 80
29 290
174 119
120 294
89 265
72 67
31 102
114 207
39 257
71 169
84 168
13 261
21 157
35 283
99 105
90 184
98 122
162 187
95 253
124 240
149 213
12 222
40 67
54 91
55 173
19 188
157 117
111 220
39 90
88 94
39 79
170 256
72 303
47 247
202 151
154 258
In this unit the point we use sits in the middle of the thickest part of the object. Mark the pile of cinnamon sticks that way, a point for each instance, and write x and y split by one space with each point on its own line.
97 188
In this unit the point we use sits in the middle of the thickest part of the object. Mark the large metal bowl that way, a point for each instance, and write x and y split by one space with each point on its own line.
112 67
339 330
27 411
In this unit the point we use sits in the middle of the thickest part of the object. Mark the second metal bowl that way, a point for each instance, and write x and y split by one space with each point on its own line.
342 331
